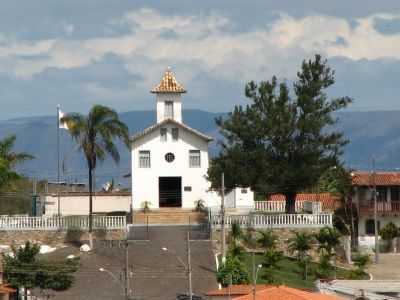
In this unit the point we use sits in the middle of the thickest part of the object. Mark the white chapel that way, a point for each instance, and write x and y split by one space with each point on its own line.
170 159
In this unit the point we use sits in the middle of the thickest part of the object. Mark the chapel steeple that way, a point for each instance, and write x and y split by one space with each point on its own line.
168 94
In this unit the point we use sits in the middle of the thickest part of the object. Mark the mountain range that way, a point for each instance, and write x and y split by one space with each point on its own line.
372 133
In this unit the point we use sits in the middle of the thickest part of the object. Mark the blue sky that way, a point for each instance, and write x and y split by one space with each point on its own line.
78 53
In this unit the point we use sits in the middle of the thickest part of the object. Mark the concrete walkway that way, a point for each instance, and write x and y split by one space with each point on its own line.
388 267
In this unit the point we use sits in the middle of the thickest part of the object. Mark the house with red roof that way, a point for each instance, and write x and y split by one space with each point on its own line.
388 200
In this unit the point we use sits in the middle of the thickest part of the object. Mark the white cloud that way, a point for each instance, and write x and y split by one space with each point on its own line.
208 43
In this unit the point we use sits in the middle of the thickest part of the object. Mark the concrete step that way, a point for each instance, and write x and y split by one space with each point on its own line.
169 216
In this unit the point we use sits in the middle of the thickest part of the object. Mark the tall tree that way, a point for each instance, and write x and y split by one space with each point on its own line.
23 269
96 134
278 142
9 159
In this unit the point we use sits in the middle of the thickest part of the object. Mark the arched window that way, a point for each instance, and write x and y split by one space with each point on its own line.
370 227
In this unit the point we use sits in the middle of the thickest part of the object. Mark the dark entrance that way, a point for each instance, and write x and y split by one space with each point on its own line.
170 191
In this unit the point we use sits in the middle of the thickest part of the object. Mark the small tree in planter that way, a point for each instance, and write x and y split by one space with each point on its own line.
389 233
199 205
146 206
233 271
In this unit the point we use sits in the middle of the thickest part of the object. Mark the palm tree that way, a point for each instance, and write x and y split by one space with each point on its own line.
95 135
267 239
236 231
9 159
301 245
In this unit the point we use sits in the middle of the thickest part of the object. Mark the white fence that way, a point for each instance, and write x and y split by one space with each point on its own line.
275 221
61 223
279 206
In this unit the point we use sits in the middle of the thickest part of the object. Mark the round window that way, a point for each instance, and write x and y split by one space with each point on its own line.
169 157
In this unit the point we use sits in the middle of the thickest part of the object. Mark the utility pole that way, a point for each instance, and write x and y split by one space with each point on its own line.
127 289
223 217
254 275
58 160
189 268
375 211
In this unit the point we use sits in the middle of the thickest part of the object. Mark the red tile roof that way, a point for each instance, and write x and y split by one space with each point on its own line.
327 200
237 289
381 178
286 293
168 84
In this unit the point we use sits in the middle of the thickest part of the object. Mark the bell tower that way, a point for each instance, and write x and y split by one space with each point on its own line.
168 96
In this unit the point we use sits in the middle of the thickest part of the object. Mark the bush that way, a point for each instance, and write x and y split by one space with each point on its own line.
325 268
233 271
389 232
267 239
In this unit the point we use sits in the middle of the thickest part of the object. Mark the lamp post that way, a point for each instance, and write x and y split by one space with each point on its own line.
116 280
255 274
187 266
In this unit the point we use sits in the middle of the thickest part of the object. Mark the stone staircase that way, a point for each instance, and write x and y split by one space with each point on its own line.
169 216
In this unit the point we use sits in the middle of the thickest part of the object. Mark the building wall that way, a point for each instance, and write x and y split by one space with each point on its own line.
176 98
145 180
78 204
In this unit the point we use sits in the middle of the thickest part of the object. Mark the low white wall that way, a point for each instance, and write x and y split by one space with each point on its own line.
79 204
241 199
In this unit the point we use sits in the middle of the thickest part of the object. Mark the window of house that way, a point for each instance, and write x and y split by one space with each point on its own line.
169 157
169 110
381 193
370 227
395 193
144 159
244 191
194 158
175 134
163 134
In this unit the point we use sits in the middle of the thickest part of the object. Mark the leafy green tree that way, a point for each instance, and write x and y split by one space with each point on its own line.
19 268
233 271
267 239
236 250
270 262
361 261
96 134
23 269
279 142
300 245
328 238
236 232
9 160
338 182
389 233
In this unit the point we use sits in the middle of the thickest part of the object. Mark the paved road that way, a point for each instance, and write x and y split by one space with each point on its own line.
157 274
388 267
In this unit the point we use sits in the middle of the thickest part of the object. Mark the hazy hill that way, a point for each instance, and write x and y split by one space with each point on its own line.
376 132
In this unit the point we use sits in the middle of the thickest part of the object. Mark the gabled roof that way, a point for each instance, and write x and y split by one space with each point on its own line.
168 84
381 178
170 121
283 292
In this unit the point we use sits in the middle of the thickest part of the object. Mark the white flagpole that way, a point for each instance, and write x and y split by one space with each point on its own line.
58 159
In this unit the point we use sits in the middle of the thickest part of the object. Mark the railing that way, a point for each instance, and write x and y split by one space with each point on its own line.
275 221
392 206
61 223
279 206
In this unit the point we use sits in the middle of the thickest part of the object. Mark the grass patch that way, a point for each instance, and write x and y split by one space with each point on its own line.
289 272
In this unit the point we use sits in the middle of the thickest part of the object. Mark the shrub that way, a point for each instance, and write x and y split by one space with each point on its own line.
267 239
389 232
324 269
232 271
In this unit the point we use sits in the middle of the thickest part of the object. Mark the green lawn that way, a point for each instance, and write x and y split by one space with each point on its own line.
289 273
